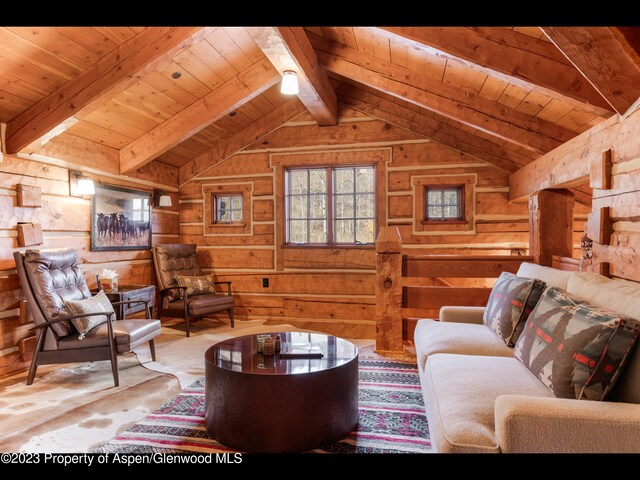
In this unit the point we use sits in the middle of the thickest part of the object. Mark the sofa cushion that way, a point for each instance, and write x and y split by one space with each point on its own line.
98 303
196 285
460 393
511 301
431 337
551 276
618 295
577 350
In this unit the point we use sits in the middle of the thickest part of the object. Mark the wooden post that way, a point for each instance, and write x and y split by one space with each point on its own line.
389 291
550 225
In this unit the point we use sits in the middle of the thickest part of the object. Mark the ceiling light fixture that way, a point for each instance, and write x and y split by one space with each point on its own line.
289 85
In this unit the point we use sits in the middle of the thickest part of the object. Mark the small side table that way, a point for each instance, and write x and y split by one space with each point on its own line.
131 292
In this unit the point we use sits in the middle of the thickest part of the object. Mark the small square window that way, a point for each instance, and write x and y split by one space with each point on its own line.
227 208
444 203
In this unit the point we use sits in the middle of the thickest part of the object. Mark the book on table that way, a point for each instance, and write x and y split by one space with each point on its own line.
300 350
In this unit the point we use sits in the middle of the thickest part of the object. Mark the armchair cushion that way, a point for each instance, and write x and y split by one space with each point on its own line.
55 278
196 285
99 303
129 334
200 305
577 350
510 303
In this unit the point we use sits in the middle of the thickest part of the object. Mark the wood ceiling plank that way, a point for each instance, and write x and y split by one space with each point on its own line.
431 128
112 74
242 139
521 58
446 100
229 96
288 48
606 57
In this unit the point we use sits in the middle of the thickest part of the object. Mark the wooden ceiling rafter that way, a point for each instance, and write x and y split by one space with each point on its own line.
453 102
511 56
223 100
608 57
109 76
288 48
240 140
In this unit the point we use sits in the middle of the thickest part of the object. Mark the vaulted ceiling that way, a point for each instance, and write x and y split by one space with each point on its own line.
189 96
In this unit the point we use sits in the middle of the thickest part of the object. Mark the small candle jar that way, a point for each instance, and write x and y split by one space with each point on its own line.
269 347
276 339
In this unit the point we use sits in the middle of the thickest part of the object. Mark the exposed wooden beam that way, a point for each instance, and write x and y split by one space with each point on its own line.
232 145
227 97
512 56
447 100
112 74
606 56
550 225
288 48
436 130
569 164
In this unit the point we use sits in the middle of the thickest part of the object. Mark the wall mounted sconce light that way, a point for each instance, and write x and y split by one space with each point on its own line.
162 199
79 185
289 85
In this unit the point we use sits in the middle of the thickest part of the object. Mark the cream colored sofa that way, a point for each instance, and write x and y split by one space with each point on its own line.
480 399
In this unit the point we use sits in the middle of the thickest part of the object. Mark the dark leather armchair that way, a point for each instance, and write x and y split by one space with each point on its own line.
180 259
49 278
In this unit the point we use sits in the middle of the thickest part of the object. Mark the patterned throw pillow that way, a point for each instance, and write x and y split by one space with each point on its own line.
196 285
577 350
99 303
511 301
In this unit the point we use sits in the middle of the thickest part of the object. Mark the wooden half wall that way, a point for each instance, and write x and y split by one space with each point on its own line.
333 289
66 222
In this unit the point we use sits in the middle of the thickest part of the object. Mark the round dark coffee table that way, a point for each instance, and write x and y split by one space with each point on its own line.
255 403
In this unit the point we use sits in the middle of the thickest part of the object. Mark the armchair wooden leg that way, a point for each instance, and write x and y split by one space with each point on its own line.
152 347
187 322
231 316
34 360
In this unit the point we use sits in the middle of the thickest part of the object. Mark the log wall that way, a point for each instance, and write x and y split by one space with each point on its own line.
329 289
66 222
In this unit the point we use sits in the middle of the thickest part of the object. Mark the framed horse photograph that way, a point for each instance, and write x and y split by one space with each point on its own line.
121 219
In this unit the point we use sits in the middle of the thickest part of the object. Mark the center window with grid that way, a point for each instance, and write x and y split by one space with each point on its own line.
444 203
330 206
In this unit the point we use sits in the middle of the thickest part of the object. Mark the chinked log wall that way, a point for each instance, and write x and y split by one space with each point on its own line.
333 290
66 222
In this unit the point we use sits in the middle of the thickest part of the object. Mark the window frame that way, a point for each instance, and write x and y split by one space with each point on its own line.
216 195
330 170
460 219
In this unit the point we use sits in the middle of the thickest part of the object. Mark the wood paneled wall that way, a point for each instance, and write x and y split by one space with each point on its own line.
333 289
66 222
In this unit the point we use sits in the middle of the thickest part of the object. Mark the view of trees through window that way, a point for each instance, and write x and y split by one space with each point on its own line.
331 205
443 203
228 208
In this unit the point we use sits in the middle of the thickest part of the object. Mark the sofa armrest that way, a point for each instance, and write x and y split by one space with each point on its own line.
462 314
558 425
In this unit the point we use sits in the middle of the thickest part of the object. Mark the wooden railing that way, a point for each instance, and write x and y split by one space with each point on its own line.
409 287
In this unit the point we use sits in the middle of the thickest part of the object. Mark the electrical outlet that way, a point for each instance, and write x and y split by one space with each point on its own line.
265 283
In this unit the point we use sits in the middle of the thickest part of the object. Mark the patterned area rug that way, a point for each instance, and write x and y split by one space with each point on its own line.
392 418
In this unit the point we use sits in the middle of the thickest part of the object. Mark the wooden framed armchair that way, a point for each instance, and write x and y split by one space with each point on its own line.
173 259
51 277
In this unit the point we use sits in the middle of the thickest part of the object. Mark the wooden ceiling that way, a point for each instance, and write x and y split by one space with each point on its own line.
184 96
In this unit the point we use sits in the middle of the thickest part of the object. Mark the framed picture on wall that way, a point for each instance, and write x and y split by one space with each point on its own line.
121 219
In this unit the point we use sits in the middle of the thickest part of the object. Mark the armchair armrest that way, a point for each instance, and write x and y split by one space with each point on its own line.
228 286
560 425
462 314
71 317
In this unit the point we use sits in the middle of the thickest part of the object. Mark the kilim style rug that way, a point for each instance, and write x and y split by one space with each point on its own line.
392 418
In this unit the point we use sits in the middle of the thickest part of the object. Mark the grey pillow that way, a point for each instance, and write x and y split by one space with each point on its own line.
99 303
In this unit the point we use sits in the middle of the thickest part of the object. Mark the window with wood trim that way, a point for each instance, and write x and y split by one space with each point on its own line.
227 208
330 205
444 203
